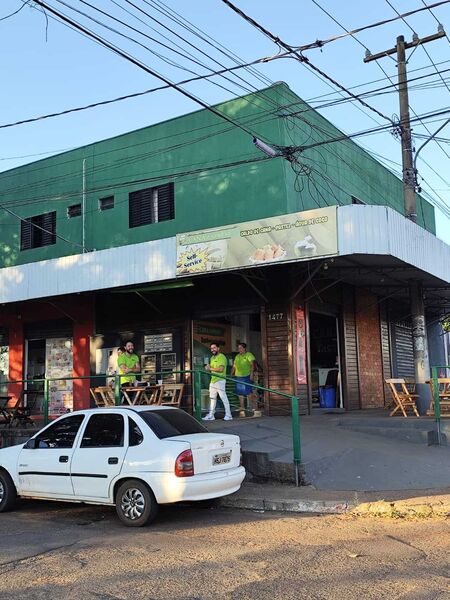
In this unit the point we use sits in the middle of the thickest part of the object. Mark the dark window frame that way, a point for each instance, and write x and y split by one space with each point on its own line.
38 231
151 205
106 203
74 211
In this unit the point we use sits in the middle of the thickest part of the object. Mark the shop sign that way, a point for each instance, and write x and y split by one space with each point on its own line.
300 349
298 236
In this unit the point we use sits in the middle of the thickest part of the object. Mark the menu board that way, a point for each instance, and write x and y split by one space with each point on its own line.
168 365
148 367
160 342
59 363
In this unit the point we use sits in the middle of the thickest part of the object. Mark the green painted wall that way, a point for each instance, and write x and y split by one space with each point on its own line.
170 151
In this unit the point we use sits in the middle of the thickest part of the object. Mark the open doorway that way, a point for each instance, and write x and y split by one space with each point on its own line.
35 370
326 389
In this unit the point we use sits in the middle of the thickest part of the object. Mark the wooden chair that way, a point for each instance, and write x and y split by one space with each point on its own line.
103 396
171 394
155 394
21 413
402 398
444 396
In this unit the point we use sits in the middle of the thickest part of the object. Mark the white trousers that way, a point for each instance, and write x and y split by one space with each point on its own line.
218 388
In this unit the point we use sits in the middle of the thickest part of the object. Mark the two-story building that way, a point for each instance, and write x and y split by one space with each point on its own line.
183 233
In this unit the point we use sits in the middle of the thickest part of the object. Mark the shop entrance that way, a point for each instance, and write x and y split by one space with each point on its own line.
35 369
227 332
326 389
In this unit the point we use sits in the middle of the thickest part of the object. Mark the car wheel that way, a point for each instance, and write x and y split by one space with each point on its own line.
8 493
135 504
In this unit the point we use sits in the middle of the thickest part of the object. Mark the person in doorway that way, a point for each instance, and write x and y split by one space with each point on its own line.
218 368
244 369
127 364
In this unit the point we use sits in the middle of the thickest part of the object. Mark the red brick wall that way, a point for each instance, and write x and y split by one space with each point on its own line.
369 350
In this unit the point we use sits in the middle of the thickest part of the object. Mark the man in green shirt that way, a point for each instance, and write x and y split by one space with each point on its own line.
128 362
244 368
218 369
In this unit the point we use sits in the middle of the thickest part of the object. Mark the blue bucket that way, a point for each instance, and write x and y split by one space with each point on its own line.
327 396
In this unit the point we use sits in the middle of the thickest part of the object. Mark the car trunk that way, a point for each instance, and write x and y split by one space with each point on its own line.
212 452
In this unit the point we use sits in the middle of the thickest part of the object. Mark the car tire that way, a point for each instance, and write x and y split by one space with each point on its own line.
136 505
8 493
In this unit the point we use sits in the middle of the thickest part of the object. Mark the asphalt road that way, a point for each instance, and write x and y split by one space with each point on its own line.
54 551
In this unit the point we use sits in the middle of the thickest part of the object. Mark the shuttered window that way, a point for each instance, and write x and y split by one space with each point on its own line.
106 203
151 205
38 231
74 211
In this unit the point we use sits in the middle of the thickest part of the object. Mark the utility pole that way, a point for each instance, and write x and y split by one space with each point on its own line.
409 175
420 342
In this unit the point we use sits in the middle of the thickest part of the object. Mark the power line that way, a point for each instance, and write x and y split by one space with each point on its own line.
303 59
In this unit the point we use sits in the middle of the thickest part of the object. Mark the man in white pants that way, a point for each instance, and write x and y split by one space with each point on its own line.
218 368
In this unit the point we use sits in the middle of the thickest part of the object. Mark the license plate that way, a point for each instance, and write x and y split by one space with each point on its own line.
222 459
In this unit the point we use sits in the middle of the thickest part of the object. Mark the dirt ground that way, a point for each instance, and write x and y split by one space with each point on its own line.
54 550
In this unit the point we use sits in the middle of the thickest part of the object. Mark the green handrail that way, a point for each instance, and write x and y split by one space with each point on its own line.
436 399
197 408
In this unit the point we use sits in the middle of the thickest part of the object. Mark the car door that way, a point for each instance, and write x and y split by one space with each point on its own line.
99 455
44 461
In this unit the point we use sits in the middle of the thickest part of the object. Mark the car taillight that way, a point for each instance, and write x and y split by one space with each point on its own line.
184 465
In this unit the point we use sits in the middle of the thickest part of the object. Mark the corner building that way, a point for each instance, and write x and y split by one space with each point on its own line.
184 233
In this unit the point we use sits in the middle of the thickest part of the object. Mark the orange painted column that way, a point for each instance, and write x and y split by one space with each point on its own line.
81 363
16 358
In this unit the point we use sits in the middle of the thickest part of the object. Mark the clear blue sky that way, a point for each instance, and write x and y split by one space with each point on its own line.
47 67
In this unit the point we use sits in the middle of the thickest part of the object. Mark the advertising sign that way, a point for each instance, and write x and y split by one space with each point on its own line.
298 236
59 363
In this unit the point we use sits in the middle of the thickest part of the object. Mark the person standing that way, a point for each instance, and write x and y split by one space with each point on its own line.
244 369
218 368
127 364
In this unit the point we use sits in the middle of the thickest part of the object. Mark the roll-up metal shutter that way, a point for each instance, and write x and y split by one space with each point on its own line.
402 350
49 329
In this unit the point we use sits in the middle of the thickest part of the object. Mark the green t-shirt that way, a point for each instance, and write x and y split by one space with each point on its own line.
130 361
219 360
243 364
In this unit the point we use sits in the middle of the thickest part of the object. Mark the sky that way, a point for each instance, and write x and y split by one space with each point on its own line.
47 67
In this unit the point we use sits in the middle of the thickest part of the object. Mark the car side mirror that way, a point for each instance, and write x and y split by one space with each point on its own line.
31 444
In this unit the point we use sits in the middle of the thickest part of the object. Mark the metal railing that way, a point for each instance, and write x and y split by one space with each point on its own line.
436 398
194 375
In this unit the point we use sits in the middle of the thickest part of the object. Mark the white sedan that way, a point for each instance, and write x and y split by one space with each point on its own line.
134 458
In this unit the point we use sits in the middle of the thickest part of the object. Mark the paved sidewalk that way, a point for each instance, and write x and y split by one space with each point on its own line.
338 458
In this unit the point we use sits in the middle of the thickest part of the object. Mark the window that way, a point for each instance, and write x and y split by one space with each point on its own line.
356 200
38 231
103 431
106 203
60 435
151 205
134 433
74 211
171 422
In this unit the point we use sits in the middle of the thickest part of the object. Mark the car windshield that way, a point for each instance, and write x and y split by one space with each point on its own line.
171 422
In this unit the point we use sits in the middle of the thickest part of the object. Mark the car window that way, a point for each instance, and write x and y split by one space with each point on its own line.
134 433
103 431
61 434
171 422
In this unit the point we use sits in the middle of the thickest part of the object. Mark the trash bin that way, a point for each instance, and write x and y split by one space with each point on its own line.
327 396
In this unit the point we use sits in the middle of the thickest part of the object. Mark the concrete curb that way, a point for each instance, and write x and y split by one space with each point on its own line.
283 505
415 508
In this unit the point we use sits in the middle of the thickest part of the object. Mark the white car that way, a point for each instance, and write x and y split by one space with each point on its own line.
134 458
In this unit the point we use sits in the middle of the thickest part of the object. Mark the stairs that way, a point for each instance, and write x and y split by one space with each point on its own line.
415 431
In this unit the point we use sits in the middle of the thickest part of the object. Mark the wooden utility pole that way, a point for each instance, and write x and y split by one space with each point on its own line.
420 343
409 175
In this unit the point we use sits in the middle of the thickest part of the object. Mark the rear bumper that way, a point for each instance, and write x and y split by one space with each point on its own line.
168 488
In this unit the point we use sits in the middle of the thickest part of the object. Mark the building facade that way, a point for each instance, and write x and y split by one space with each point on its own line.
184 233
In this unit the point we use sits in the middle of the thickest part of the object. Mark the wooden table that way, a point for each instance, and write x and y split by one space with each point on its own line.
138 395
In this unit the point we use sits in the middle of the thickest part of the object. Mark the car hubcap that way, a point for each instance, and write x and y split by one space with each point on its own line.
133 504
2 490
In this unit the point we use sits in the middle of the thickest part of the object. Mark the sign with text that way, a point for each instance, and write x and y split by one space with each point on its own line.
298 236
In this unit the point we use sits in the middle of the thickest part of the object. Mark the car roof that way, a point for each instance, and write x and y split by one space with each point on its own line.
137 409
